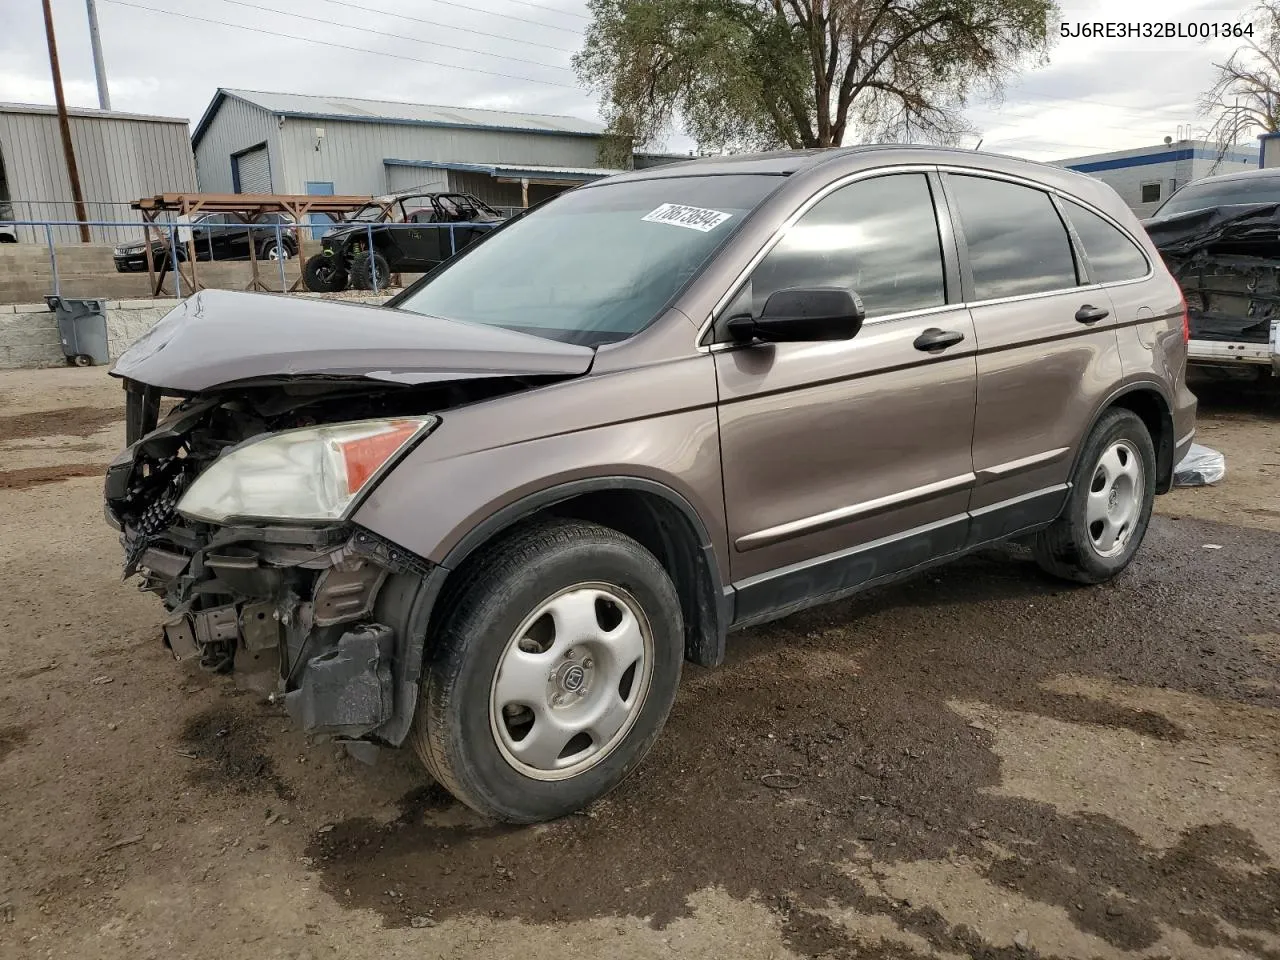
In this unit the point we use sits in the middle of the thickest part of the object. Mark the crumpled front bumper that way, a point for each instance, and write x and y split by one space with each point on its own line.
320 616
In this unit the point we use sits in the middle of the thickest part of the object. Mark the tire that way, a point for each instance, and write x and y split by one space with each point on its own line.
270 247
363 268
1076 546
324 274
465 731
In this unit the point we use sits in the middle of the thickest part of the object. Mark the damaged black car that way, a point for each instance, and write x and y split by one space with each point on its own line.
1220 238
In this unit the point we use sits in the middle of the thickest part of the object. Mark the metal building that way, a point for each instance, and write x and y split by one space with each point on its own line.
254 142
120 156
1147 176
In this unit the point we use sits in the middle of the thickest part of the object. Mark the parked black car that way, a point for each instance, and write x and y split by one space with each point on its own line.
8 232
344 258
217 236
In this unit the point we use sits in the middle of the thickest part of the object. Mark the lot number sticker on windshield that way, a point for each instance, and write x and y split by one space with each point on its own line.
695 218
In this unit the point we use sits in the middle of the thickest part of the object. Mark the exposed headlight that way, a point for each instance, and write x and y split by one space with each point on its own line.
126 250
313 473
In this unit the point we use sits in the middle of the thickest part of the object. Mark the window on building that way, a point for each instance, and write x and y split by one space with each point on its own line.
1112 255
1150 193
877 238
1017 242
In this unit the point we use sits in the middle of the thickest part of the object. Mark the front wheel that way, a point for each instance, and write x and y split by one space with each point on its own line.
1113 490
368 270
552 672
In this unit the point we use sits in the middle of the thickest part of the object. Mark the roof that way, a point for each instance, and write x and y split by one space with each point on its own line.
356 109
45 109
790 162
786 162
1265 173
532 171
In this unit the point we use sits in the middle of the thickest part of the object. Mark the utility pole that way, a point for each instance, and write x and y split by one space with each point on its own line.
99 66
72 173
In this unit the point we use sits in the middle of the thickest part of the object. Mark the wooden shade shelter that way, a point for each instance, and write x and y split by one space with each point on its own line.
251 207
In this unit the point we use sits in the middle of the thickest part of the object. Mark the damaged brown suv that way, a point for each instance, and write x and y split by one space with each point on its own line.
492 518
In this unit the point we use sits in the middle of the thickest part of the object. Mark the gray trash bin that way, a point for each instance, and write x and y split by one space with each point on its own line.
82 328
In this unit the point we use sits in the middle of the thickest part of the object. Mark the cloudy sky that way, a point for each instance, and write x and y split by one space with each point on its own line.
168 57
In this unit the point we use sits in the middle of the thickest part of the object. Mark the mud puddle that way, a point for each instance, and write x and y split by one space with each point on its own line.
229 742
61 421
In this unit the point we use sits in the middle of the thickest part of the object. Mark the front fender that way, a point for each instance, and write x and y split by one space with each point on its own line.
431 506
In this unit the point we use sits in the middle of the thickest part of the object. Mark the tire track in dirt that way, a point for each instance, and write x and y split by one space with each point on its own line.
852 701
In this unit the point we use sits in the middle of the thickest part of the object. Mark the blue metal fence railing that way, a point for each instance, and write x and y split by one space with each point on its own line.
166 248
61 212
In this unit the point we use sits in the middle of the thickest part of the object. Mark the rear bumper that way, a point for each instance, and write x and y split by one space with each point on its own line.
1264 354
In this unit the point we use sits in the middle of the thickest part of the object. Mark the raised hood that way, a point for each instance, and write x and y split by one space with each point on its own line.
221 337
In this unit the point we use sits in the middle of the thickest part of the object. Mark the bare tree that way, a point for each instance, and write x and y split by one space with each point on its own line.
1246 94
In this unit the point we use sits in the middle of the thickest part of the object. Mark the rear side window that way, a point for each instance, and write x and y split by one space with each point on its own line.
877 238
1017 242
1112 256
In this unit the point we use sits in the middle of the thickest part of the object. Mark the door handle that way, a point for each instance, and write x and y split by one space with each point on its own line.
935 339
1091 314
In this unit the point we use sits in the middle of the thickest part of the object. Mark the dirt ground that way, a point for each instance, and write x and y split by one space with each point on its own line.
977 763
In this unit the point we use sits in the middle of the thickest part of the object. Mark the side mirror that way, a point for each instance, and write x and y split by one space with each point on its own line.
802 315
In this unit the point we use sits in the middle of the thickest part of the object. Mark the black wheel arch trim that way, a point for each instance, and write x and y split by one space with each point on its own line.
1164 479
704 639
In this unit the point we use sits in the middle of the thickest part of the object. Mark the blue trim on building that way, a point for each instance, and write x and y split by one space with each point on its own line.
492 170
1164 156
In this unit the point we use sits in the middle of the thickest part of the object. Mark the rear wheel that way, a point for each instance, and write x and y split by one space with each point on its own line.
552 672
365 268
323 274
1109 507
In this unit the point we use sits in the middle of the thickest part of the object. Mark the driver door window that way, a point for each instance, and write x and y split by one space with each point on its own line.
877 238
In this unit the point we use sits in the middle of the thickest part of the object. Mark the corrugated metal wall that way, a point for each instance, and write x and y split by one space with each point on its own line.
410 178
484 187
236 127
119 160
351 154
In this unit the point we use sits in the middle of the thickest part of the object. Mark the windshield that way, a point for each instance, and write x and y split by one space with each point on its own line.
370 211
1207 193
595 265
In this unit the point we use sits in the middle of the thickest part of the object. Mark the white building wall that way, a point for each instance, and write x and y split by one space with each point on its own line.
1128 171
236 127
119 158
1270 147
351 154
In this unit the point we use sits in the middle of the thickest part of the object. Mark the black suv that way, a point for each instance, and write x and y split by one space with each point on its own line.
217 236
345 258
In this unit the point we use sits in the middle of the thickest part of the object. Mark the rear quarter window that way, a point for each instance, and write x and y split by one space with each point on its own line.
1111 255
